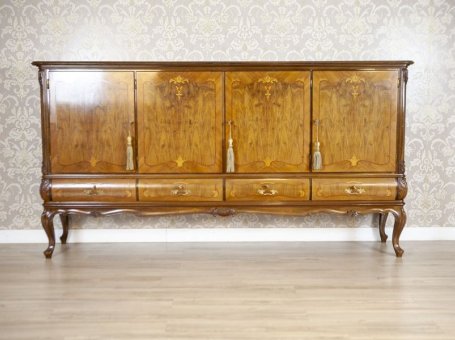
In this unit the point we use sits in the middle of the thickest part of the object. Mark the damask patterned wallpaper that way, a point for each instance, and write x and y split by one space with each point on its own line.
421 30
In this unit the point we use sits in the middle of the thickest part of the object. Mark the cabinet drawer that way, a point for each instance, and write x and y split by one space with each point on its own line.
107 190
268 189
374 189
181 190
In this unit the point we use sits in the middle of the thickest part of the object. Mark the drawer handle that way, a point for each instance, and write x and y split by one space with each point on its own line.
266 190
93 191
354 190
180 191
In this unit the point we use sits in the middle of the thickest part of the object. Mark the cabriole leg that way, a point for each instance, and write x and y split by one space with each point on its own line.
400 221
382 222
47 220
64 218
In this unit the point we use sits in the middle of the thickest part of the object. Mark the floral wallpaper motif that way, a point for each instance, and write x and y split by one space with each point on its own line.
421 30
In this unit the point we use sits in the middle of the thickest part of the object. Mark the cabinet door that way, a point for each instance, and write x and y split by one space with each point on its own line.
179 122
270 114
90 116
357 111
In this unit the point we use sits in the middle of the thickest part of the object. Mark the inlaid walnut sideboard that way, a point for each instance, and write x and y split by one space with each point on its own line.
156 138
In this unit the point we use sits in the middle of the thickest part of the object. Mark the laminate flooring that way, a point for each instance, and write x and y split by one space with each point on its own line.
308 290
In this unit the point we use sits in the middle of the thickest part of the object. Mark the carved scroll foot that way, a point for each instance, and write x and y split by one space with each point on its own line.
47 218
400 221
64 218
382 222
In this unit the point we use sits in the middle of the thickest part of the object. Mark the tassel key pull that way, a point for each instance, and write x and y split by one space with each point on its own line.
317 156
230 161
129 153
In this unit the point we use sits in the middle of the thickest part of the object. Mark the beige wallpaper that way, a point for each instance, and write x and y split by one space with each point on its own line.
421 30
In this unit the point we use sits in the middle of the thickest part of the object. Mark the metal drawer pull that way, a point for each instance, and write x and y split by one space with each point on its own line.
354 190
266 190
180 191
93 191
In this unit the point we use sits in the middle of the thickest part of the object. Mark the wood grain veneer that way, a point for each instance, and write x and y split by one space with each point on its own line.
91 114
354 189
180 122
270 112
357 112
101 190
180 190
267 189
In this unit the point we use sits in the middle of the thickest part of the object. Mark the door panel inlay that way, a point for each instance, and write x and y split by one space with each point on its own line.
357 111
180 122
270 112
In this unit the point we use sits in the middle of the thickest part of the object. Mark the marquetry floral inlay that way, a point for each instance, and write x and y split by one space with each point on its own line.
93 161
356 83
354 160
178 83
268 161
268 82
180 161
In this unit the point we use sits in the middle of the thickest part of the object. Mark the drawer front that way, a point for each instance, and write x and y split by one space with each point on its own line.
106 190
269 189
346 189
181 190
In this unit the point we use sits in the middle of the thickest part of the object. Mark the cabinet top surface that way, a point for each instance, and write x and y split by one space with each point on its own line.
214 65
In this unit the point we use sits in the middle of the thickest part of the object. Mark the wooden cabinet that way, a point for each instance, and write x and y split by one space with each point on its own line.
153 138
270 115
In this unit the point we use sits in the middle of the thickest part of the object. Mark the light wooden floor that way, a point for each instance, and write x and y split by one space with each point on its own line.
351 290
